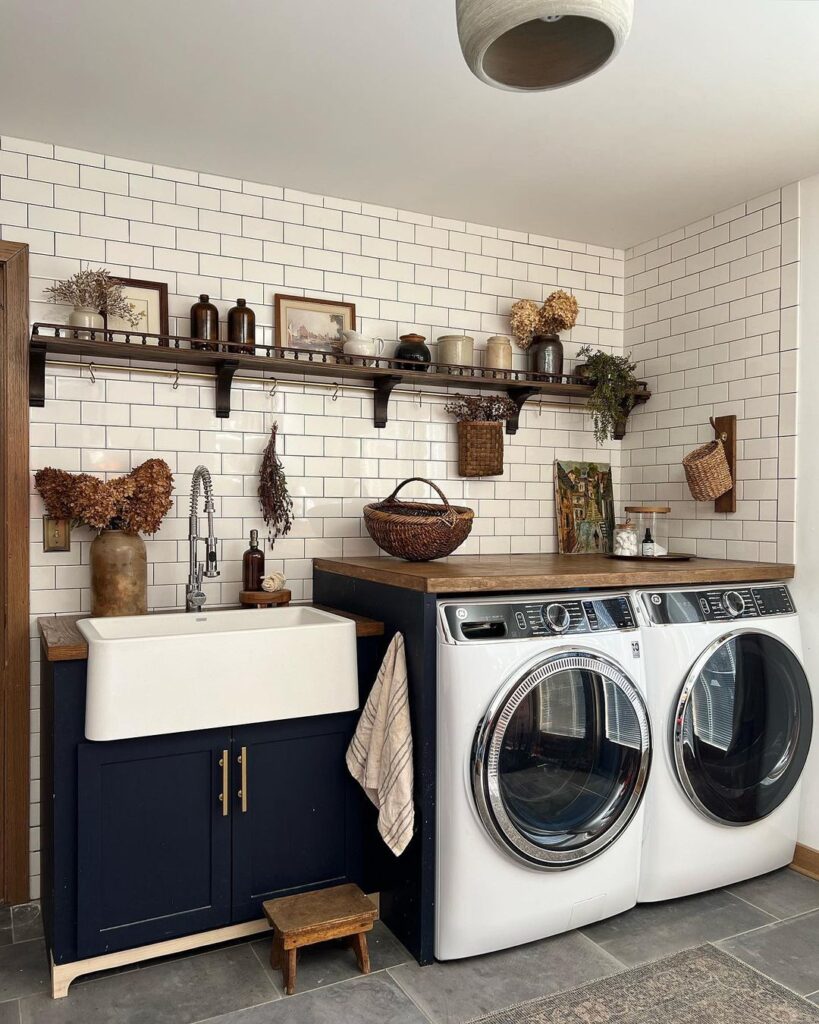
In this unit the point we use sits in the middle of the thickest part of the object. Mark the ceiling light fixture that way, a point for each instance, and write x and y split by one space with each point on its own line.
531 45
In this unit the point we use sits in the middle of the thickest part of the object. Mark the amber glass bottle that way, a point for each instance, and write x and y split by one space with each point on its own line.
241 328
205 325
253 564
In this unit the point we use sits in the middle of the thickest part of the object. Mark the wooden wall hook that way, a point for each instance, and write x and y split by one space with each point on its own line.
725 428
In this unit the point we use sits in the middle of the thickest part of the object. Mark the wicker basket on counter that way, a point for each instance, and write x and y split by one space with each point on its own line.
707 471
480 448
418 531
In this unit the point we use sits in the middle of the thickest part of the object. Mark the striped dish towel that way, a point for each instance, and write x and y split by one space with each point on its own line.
380 753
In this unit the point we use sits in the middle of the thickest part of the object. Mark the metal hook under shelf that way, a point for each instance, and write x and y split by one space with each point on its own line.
721 434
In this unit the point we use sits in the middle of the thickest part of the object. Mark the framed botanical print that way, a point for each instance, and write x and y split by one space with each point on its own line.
316 324
151 299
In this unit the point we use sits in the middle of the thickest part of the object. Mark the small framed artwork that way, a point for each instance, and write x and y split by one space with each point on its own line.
315 324
584 507
151 299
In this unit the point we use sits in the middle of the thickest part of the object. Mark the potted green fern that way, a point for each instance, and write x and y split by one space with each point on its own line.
614 383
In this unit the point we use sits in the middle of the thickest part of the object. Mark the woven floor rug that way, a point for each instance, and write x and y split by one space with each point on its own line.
699 986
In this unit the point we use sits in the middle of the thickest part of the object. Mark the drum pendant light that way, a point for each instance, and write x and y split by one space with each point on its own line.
531 45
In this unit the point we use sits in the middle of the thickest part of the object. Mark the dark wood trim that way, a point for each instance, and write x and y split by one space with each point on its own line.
14 573
806 861
726 430
462 574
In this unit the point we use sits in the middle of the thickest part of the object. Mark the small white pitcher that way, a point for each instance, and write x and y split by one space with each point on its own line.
356 344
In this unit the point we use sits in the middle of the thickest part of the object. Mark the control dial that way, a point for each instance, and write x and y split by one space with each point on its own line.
556 617
734 603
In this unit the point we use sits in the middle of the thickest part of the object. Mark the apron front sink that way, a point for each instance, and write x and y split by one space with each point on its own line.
153 674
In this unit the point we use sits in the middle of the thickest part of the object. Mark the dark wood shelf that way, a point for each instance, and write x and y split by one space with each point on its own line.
383 374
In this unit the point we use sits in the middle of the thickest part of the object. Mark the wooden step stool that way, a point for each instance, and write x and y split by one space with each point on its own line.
307 918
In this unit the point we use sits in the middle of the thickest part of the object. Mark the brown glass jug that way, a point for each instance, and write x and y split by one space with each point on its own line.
205 325
241 328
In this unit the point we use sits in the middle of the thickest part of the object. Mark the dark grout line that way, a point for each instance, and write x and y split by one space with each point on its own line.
401 989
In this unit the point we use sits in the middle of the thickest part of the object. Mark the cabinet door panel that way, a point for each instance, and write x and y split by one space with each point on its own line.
154 847
300 830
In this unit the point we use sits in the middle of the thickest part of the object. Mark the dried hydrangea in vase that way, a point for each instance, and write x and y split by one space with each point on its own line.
524 318
120 509
558 313
94 294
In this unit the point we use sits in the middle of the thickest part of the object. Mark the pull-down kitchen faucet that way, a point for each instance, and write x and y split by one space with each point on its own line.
194 595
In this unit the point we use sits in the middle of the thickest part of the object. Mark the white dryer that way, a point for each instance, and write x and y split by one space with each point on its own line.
543 752
732 718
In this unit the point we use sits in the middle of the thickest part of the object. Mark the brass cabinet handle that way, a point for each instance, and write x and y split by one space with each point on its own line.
242 794
224 796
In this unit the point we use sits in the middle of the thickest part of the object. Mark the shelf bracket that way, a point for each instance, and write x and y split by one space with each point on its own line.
36 374
381 398
519 395
225 370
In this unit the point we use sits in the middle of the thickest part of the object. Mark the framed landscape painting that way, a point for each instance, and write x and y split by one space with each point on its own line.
313 324
584 508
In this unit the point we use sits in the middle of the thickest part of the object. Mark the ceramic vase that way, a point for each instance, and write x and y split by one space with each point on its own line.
546 355
119 574
412 353
87 316
498 353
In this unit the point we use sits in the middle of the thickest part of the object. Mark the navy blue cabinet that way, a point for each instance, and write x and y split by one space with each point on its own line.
296 823
149 839
154 846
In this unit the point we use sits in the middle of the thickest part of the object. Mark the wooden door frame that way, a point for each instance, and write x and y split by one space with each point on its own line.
14 574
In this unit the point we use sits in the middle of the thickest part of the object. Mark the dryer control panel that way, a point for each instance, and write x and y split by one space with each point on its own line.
723 604
539 617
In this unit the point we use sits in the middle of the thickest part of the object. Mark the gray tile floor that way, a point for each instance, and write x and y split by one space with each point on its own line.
771 923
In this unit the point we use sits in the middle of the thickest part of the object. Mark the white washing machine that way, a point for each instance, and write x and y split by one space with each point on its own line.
543 754
732 718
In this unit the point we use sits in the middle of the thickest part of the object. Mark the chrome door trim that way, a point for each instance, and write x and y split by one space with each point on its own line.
679 709
486 750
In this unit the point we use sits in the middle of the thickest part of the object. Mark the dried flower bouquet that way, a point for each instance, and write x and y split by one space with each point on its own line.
97 290
136 503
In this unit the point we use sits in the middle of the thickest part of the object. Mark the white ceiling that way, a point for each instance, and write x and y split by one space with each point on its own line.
711 102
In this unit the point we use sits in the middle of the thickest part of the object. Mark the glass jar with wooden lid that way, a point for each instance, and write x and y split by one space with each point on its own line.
651 526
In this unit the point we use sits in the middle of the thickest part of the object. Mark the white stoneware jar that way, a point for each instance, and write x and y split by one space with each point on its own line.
498 353
86 316
455 349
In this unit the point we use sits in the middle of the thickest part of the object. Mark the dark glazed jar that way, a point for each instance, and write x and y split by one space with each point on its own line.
205 325
546 355
241 328
412 353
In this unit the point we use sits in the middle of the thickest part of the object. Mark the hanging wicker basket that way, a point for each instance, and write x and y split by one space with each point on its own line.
480 448
418 531
707 471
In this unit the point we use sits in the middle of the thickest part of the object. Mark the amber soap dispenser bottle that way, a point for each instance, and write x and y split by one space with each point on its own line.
253 564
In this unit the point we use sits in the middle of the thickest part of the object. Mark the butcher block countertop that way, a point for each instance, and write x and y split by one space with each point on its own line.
482 574
62 640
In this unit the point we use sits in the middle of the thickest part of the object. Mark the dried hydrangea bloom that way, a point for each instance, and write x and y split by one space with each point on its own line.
56 488
95 503
149 501
559 313
523 321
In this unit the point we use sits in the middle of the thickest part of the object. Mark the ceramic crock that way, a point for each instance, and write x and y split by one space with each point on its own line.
119 574
86 316
412 353
498 353
455 350
546 355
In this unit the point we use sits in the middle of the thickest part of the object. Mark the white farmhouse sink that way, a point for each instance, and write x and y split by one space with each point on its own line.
151 674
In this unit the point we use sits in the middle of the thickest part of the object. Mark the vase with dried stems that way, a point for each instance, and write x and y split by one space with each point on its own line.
93 294
537 330
120 509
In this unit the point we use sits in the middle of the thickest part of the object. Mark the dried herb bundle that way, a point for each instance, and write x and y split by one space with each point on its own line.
96 289
559 313
480 408
136 503
277 505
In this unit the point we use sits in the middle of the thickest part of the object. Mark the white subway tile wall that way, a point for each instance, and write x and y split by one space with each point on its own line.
201 233
711 318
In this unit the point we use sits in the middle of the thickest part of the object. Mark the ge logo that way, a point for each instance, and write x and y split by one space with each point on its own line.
461 613
656 599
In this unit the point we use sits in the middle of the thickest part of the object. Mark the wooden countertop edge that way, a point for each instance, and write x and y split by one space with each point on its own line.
62 641
669 574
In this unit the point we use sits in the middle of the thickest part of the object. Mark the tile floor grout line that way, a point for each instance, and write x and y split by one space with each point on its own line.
748 903
770 924
756 970
409 996
267 974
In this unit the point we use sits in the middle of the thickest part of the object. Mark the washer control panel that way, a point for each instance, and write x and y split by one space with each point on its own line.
725 604
541 617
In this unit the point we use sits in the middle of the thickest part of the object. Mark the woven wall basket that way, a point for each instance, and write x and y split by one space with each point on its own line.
480 448
418 531
707 471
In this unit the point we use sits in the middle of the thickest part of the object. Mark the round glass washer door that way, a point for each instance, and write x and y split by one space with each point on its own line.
742 728
561 760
